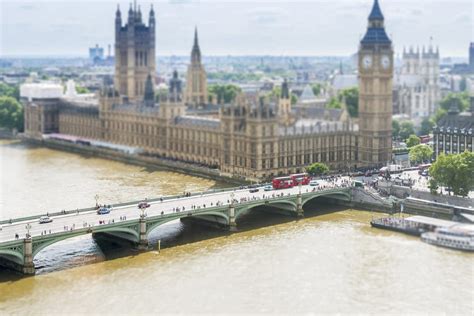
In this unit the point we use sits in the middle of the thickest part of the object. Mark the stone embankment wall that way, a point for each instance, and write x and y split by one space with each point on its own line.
403 192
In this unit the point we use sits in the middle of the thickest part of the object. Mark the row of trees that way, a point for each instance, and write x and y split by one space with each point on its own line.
224 93
11 110
403 130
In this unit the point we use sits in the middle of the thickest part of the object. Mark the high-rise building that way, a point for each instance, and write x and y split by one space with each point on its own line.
134 53
375 96
196 80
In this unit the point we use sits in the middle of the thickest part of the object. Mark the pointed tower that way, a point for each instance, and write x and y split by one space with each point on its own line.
284 104
196 79
134 54
375 93
149 96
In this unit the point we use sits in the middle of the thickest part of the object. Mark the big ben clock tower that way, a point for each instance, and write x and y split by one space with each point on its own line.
375 93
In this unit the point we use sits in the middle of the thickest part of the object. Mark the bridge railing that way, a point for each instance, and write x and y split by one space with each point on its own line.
128 203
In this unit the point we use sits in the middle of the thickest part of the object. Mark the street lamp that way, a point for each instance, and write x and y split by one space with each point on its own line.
28 227
232 197
299 188
96 200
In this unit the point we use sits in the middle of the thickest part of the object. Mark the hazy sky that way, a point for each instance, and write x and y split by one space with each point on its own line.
311 27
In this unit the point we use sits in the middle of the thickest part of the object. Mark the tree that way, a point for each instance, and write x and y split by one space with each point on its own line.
317 169
406 129
440 112
461 100
420 153
11 113
413 140
426 127
395 129
82 90
316 88
455 171
294 99
224 93
351 95
334 103
9 91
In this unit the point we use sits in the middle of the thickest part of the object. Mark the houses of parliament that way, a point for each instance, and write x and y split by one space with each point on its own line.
254 137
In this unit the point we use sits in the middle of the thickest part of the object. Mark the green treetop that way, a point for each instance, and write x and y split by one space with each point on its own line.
455 171
317 169
420 153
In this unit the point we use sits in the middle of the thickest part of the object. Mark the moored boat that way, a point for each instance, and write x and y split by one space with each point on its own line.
460 237
398 225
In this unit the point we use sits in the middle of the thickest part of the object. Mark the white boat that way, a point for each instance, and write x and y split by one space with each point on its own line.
460 236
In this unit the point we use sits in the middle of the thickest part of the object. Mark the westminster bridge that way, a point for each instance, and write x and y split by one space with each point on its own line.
22 239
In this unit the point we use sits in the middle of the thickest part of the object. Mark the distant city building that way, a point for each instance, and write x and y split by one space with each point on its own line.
454 133
253 137
96 53
471 56
416 85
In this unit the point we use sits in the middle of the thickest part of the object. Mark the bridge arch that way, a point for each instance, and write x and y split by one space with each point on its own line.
161 221
12 255
344 195
40 244
130 234
285 205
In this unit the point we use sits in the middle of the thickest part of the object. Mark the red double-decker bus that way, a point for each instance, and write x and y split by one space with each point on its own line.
282 182
300 178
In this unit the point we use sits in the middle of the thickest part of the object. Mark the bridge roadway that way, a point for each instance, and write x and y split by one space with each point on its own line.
127 221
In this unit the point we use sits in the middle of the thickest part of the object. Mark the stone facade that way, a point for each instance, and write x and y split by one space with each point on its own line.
417 84
134 53
254 137
454 133
375 92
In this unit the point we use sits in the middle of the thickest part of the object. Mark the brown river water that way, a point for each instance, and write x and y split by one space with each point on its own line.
331 261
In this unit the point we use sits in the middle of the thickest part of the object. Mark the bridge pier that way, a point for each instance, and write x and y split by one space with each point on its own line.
231 213
299 206
28 265
143 241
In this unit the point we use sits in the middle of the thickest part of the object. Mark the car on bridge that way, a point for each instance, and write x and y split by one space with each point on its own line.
253 190
104 210
267 188
45 219
314 183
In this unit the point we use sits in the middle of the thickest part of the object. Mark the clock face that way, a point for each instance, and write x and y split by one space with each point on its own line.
385 61
367 61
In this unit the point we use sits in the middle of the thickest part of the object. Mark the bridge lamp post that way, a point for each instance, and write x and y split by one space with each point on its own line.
96 197
232 194
28 227
299 188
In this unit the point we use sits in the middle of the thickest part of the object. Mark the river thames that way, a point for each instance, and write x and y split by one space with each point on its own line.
329 262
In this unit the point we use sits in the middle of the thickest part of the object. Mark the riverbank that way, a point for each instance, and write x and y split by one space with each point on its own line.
136 159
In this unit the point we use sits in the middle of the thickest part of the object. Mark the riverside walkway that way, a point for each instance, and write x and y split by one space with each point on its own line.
23 238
